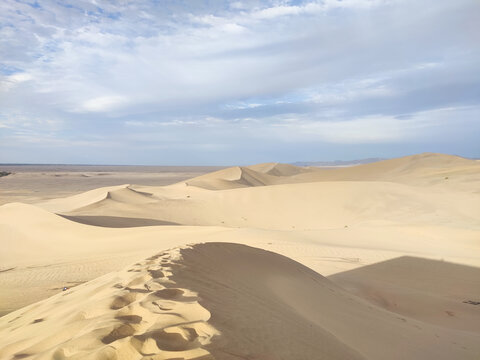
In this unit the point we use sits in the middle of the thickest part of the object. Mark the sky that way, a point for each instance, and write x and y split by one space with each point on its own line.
172 82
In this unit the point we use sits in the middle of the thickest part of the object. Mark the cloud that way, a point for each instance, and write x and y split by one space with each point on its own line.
345 69
103 103
19 77
362 130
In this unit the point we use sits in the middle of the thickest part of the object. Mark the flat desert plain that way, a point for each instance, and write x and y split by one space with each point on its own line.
268 262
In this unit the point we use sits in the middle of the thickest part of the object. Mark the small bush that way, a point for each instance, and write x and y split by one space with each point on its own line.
4 173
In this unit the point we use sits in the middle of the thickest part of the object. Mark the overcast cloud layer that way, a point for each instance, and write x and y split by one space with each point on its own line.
221 82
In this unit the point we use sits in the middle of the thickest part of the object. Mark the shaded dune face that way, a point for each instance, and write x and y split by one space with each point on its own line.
244 288
432 291
267 306
116 221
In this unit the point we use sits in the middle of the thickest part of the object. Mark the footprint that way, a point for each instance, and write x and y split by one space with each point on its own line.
149 316
156 273
153 285
169 294
124 300
20 356
120 332
163 307
177 339
134 319
142 291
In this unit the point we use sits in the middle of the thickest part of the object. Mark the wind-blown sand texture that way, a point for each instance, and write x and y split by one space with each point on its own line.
271 261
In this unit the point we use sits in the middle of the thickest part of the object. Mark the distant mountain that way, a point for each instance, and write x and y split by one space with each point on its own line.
337 162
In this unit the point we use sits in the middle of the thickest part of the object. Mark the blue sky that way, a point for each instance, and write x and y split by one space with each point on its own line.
217 82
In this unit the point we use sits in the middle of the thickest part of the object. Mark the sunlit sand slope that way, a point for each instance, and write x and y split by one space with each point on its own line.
137 313
301 206
413 190
422 169
42 252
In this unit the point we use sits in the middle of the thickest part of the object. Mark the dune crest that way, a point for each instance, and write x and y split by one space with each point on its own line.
311 205
136 313
420 170
122 194
221 301
421 188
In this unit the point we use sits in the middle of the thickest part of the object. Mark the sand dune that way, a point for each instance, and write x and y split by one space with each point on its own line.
432 291
323 205
231 178
388 192
419 170
398 240
202 302
278 169
33 183
128 314
247 176
422 169
121 193
275 308
42 252
116 221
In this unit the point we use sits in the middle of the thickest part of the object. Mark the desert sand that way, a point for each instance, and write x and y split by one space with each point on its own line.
270 261
34 183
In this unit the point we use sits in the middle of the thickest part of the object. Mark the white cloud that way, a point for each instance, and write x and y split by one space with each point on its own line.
273 12
350 91
8 82
104 103
372 129
315 7
19 77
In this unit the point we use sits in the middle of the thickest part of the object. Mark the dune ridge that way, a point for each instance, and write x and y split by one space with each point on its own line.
415 188
201 302
420 170
337 203
122 193
137 313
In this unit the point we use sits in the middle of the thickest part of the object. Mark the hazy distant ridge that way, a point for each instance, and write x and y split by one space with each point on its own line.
337 162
